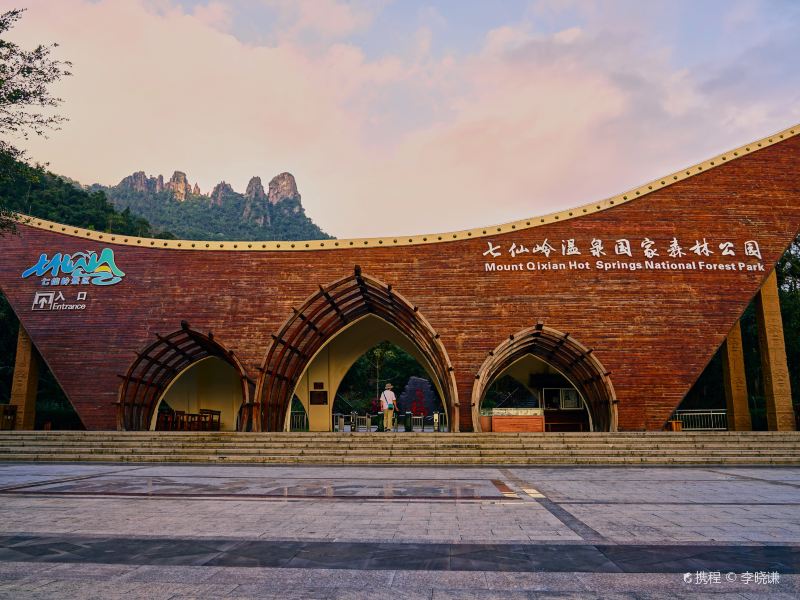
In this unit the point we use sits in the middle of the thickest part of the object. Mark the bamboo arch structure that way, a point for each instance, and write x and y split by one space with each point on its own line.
157 365
576 362
323 315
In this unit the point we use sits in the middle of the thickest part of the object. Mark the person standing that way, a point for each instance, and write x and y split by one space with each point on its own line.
388 402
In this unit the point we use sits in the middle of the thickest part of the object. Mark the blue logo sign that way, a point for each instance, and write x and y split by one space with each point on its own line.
80 268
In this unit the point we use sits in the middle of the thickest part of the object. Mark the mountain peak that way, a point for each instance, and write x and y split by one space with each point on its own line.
256 208
259 214
179 185
138 181
255 190
281 187
219 192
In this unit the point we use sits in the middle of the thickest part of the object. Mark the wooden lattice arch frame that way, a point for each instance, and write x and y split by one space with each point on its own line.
576 362
157 365
323 315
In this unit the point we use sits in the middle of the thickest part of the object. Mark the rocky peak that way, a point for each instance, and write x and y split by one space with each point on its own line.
255 206
271 211
219 192
179 186
255 191
140 182
137 182
281 187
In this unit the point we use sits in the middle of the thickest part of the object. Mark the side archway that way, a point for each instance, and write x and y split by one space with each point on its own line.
565 354
159 364
321 317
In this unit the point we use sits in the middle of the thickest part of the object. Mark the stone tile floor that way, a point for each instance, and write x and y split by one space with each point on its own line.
180 531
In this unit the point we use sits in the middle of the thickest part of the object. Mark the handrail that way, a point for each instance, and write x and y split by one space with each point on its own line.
715 419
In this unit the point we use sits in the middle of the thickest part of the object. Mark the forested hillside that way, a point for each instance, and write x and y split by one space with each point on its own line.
223 214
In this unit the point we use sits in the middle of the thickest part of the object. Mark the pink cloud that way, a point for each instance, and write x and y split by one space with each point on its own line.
402 144
328 18
215 14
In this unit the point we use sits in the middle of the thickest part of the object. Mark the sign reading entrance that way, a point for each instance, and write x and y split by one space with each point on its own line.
57 301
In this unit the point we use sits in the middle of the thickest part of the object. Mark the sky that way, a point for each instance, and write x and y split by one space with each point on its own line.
410 117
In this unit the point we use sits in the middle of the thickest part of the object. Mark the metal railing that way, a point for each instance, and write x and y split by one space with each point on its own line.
298 421
703 420
356 422
341 421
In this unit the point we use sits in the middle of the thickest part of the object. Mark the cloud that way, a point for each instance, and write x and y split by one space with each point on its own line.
505 39
214 14
331 19
408 142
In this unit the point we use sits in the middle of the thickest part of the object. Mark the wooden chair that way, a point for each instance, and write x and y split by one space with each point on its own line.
193 421
179 424
203 422
165 421
210 419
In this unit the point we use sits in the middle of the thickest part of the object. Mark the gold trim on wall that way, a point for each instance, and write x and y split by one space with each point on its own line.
413 240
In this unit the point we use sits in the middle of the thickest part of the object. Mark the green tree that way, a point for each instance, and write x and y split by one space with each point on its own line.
788 269
365 380
26 102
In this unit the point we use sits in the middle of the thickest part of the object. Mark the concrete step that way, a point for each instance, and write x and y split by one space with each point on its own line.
542 443
405 448
433 460
375 435
406 453
379 439
398 446
398 443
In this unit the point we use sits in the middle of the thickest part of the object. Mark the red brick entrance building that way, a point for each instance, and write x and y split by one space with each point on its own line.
628 298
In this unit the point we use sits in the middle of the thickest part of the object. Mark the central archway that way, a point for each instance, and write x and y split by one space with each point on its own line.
331 365
325 314
569 357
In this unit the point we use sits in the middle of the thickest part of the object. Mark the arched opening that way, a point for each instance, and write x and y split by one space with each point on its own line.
384 363
323 376
529 382
335 313
211 388
548 364
169 360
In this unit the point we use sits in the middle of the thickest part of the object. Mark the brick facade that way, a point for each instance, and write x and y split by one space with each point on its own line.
653 329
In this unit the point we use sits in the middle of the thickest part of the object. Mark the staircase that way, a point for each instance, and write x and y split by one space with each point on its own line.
402 449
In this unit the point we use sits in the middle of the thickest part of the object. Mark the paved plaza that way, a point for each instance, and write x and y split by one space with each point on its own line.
178 532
